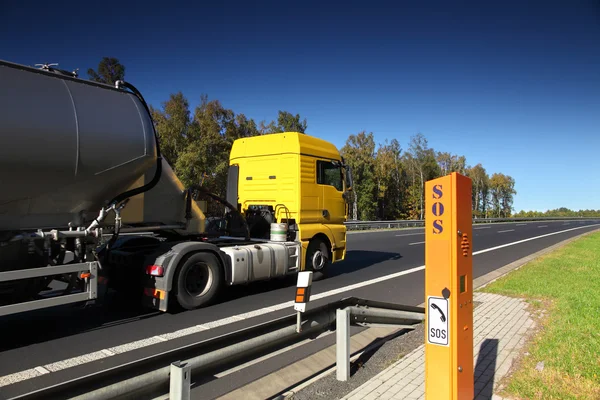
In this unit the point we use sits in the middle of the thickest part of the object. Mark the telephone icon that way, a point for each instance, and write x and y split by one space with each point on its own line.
442 316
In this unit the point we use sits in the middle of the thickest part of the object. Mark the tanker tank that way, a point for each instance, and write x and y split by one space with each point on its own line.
67 147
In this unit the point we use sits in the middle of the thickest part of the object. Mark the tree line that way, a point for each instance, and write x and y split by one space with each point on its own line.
388 180
559 212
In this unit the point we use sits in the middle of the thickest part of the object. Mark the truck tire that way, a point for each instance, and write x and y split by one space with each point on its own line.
197 280
318 258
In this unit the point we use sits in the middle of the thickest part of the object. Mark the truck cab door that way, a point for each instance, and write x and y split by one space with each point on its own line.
330 178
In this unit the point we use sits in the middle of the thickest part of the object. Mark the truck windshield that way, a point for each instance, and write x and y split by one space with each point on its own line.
329 174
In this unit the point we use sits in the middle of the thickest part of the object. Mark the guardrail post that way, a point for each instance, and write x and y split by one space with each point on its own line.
342 340
180 381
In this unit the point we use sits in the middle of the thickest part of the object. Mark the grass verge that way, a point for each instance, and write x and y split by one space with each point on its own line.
566 283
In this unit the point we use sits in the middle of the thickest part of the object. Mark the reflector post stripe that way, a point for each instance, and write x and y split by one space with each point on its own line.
303 295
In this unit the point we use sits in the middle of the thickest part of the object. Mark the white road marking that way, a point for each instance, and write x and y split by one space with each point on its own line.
412 244
42 370
543 226
508 230
72 362
412 234
520 224
533 238
483 227
383 230
60 365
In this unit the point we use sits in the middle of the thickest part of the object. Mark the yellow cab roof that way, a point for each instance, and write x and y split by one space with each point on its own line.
281 143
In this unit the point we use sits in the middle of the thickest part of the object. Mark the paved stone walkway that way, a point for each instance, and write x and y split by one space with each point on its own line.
500 327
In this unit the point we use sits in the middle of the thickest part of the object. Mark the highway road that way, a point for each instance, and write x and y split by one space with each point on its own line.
45 347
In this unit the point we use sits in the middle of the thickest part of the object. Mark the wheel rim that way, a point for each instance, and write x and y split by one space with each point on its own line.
198 279
318 260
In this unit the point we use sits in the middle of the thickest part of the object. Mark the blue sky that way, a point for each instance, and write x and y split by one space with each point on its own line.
512 85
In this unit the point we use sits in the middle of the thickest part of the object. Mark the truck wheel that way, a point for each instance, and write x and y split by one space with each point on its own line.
197 281
317 258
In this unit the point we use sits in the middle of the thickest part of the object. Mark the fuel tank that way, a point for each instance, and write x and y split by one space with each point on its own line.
67 146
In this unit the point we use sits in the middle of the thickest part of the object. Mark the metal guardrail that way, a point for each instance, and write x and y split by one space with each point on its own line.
410 223
170 372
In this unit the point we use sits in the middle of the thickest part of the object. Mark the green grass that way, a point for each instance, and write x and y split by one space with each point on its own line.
566 283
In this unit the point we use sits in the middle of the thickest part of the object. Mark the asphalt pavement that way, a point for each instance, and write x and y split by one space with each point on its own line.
43 347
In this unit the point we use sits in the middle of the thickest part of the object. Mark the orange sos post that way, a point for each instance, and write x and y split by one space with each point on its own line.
448 289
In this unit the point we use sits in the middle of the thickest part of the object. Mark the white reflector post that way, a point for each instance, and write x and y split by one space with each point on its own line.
303 290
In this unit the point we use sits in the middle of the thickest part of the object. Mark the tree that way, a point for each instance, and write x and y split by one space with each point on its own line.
359 153
422 167
205 159
559 212
172 126
388 172
502 192
213 132
480 188
110 70
291 123
286 122
449 163
198 146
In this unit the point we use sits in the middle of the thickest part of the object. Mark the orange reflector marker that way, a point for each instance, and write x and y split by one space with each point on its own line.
156 293
448 283
303 290
84 275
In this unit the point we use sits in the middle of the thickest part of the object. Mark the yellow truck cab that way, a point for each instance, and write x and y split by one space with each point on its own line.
293 184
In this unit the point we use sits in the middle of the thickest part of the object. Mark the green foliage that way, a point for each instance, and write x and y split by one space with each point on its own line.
480 182
390 174
286 122
502 192
422 166
359 153
110 70
173 124
559 212
449 163
565 282
198 146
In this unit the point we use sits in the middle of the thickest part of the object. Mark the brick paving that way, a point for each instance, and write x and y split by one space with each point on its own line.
500 327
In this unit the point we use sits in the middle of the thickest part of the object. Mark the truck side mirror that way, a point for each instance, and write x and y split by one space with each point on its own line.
346 196
348 178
